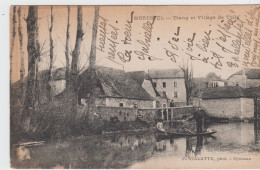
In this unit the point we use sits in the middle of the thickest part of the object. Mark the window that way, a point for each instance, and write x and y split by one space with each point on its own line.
175 94
175 84
164 105
121 104
154 84
164 84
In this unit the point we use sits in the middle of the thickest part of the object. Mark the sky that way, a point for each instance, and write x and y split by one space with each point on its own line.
210 38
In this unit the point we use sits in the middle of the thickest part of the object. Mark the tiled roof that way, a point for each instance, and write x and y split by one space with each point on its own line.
112 83
165 73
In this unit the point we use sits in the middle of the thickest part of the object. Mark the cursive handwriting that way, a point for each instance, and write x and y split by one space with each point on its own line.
192 57
176 34
103 31
205 42
147 27
128 29
236 43
125 57
171 54
218 57
112 42
190 42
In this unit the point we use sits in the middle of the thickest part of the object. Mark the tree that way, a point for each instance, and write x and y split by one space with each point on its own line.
74 62
22 69
13 37
67 72
212 76
92 61
33 49
188 78
51 55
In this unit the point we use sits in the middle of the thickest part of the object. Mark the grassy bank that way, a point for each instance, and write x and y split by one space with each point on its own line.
55 121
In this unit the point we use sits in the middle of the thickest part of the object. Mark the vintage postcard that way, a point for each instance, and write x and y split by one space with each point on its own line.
135 87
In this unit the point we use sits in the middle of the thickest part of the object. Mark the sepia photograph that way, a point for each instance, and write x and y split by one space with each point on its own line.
134 87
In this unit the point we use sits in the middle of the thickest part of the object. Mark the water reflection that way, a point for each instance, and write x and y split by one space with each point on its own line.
136 150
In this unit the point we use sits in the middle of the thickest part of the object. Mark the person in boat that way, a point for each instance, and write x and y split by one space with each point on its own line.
209 130
159 126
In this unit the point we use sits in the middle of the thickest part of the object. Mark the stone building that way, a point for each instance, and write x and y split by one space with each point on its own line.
145 81
218 83
245 78
112 88
169 82
228 102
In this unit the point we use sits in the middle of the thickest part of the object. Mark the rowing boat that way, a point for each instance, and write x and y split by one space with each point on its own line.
184 134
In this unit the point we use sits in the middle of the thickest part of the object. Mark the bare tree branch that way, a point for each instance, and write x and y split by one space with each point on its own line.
188 78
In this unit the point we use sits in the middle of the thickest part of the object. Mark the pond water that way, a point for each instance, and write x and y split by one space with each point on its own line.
234 144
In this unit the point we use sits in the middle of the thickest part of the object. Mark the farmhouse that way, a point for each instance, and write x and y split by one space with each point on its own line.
228 102
112 88
169 82
245 78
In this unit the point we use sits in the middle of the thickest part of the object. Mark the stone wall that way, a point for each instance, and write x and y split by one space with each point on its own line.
105 113
114 102
247 108
98 101
130 114
252 83
229 108
122 113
